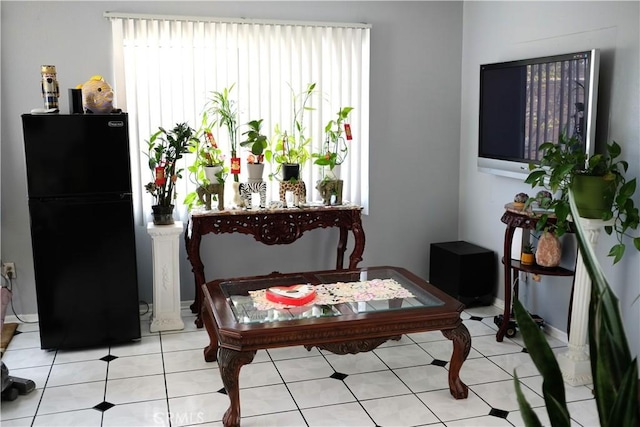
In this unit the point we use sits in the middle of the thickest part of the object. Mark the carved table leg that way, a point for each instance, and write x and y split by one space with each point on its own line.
461 346
358 245
210 351
342 247
230 362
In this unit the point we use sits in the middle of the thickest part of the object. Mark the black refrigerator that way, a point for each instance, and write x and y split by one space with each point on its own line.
82 228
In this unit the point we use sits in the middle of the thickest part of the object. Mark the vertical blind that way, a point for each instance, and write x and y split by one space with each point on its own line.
166 69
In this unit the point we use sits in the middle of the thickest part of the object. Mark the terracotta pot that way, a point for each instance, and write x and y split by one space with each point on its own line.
162 215
549 251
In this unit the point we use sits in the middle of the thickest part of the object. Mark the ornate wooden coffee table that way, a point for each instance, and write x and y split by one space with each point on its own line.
340 321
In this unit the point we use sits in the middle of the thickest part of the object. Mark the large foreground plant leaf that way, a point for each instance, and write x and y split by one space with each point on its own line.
614 372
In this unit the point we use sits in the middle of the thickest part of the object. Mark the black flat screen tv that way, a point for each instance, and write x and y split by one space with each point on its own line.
528 102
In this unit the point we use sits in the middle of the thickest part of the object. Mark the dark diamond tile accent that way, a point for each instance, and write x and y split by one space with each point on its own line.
108 358
339 376
524 350
222 391
104 406
499 413
478 318
438 362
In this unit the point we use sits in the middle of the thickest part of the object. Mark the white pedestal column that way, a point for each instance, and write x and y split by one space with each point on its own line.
575 363
166 277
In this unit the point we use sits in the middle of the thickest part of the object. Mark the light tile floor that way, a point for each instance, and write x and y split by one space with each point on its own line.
163 380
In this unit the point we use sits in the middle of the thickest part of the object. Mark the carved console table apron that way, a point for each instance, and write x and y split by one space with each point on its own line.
272 227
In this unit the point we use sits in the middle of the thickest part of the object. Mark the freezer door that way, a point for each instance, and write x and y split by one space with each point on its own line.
78 154
85 271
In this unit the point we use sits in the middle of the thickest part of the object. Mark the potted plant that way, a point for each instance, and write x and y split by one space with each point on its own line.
206 170
164 149
290 150
335 148
222 109
527 257
565 166
257 143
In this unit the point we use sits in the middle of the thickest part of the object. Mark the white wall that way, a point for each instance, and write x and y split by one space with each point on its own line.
500 31
416 51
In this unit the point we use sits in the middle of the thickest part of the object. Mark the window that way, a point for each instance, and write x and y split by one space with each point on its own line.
167 67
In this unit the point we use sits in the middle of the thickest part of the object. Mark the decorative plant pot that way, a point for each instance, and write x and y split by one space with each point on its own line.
330 191
210 172
290 171
162 215
255 171
549 251
527 258
593 195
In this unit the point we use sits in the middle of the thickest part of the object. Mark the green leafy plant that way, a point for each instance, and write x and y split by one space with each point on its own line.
256 142
614 372
292 147
561 163
164 149
223 112
207 154
335 147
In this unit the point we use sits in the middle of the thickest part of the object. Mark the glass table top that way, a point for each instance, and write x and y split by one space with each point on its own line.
337 293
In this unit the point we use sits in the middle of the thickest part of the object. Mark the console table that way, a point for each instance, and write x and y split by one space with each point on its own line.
272 227
516 218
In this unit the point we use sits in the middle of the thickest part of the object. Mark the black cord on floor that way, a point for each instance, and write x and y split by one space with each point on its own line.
145 303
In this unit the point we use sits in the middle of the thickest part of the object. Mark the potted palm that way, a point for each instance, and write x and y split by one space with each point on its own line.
290 149
565 166
257 143
164 149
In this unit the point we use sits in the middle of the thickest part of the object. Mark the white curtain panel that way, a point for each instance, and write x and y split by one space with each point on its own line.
166 68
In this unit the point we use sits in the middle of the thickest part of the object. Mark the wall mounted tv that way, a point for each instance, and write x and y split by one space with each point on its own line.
528 102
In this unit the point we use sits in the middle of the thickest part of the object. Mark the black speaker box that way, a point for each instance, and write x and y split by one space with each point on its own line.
465 271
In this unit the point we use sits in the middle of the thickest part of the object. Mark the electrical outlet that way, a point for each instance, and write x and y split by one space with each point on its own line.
9 269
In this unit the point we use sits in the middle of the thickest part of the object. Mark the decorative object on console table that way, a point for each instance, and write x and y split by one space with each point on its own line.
223 112
166 277
255 165
463 270
207 172
334 153
164 149
290 148
564 166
